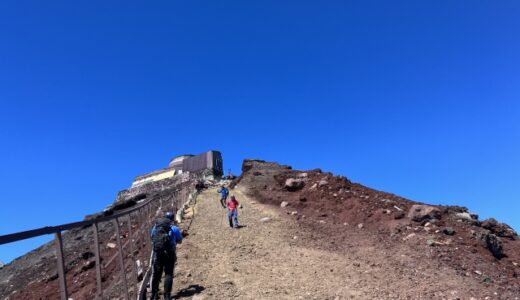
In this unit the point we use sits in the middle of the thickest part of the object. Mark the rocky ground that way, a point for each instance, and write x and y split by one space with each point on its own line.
399 249
306 235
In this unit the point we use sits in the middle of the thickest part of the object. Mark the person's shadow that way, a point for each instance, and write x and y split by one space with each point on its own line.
189 291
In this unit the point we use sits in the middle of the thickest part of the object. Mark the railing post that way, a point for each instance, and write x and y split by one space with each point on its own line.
131 237
61 267
98 261
121 261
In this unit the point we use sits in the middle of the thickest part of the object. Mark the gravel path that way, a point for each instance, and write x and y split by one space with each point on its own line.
262 260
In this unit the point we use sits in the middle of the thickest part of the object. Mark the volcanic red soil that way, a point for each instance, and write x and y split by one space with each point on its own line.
305 235
393 256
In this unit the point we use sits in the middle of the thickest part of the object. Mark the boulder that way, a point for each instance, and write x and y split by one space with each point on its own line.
494 245
294 184
499 229
491 242
420 213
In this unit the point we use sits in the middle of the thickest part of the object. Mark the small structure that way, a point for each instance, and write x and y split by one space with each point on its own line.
209 163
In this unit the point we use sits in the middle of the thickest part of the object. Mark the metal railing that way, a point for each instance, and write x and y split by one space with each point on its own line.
143 214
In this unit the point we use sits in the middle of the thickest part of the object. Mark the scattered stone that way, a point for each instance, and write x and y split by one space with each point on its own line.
464 216
314 186
303 175
411 235
399 215
478 272
433 243
88 265
294 184
360 225
448 231
229 282
398 208
420 213
387 211
294 213
111 245
322 221
345 224
284 204
323 182
265 219
303 198
295 237
515 264
235 269
334 195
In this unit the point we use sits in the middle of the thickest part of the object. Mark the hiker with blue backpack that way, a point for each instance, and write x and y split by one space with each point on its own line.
165 237
223 191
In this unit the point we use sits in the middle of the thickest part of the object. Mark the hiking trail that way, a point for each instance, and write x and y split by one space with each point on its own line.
261 260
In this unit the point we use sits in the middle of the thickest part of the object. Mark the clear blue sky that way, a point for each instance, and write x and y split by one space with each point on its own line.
418 98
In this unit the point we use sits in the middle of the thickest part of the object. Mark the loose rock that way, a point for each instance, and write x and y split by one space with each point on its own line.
111 245
284 204
448 231
420 213
294 184
265 220
464 216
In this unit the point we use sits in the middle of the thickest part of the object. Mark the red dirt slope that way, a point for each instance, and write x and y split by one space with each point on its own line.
402 237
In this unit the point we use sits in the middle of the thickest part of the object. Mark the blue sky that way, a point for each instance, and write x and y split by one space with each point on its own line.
418 98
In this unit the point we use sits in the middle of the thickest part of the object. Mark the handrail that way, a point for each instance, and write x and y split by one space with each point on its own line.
18 236
145 213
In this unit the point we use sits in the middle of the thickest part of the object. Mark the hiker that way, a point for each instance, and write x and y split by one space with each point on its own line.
232 205
223 191
165 237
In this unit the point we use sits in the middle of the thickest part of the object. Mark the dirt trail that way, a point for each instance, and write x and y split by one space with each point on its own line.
258 261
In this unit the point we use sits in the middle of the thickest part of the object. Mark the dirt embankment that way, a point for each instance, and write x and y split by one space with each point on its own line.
414 250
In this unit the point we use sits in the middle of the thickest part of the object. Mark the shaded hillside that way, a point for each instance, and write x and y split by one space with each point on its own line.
34 275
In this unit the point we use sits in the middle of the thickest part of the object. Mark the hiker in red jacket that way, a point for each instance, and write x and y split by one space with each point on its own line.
232 206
